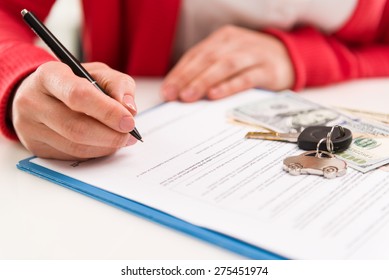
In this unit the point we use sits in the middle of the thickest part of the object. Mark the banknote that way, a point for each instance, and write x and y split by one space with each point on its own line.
380 117
385 168
287 112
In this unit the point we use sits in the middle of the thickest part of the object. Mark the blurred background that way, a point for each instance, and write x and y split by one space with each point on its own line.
64 22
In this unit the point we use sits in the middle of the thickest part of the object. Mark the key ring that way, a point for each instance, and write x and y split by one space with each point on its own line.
318 153
341 129
329 143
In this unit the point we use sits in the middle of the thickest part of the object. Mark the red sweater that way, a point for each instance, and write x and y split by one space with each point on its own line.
136 37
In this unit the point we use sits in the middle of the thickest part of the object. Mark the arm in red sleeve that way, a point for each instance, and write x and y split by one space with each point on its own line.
359 50
18 55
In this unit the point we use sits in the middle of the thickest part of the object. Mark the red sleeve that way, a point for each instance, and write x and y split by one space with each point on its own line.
360 49
18 56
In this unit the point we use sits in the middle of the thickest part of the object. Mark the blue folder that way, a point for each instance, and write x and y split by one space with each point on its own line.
147 212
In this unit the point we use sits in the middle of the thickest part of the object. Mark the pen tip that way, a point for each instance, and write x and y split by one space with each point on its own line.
136 134
23 12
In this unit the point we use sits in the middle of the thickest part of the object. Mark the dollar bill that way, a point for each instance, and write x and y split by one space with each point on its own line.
288 112
385 168
380 117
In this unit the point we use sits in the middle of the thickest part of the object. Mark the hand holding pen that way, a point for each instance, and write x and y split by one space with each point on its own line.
57 114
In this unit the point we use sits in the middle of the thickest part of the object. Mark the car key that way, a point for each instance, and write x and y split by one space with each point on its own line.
309 138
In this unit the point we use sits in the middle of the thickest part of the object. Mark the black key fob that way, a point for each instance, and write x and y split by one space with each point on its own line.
309 138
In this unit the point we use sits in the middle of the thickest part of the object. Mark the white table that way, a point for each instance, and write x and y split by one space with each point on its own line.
41 220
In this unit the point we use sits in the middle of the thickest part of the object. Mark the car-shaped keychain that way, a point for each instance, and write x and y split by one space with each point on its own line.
317 163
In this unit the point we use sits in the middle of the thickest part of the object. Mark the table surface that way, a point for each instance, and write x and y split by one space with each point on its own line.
41 220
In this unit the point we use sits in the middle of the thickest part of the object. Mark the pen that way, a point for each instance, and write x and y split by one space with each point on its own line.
63 54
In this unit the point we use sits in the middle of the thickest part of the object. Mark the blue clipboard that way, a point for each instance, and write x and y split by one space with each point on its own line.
147 212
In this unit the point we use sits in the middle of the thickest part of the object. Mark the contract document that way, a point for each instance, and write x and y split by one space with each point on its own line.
197 166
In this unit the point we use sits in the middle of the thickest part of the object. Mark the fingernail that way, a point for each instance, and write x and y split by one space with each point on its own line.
131 141
129 101
215 92
170 92
188 93
126 124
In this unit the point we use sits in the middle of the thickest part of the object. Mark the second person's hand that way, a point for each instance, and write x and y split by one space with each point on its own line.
57 114
230 60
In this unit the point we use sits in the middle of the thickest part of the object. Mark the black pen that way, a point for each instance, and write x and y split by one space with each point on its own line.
62 53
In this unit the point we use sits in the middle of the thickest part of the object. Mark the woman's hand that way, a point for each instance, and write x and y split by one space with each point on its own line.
57 114
230 60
